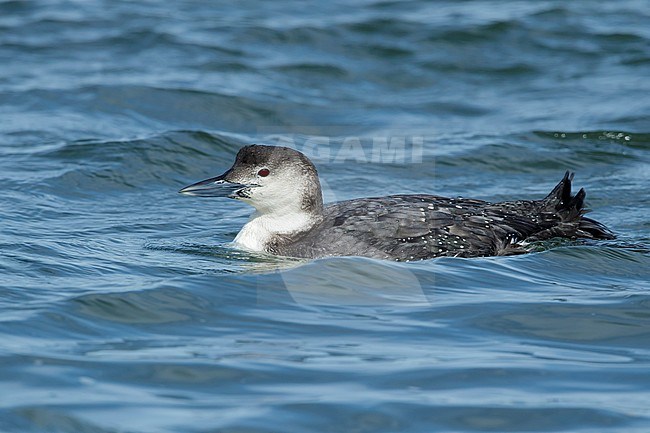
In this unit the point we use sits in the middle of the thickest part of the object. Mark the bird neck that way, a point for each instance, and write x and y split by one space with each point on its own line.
263 228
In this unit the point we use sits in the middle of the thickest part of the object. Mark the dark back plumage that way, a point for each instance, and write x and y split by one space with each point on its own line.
416 227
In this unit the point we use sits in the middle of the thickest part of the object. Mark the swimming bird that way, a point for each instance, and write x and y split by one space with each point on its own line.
290 218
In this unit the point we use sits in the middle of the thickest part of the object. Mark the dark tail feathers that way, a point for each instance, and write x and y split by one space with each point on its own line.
571 208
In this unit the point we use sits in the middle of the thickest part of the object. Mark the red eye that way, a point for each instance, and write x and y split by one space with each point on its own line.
263 172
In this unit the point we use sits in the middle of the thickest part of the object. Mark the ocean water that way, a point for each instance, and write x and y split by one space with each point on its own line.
123 308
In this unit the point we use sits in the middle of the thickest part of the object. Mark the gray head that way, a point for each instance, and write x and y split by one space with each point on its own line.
270 178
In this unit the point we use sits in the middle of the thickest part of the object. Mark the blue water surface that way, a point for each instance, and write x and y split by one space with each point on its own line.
124 308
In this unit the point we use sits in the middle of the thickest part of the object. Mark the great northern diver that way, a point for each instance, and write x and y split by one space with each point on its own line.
290 218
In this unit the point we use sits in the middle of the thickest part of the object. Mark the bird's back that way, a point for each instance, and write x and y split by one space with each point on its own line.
416 227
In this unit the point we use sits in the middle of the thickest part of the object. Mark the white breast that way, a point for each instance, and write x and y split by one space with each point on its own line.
260 229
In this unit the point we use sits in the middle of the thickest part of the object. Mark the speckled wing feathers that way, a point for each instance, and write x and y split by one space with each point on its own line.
410 227
416 227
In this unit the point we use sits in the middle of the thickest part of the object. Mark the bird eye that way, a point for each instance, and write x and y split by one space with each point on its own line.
264 172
